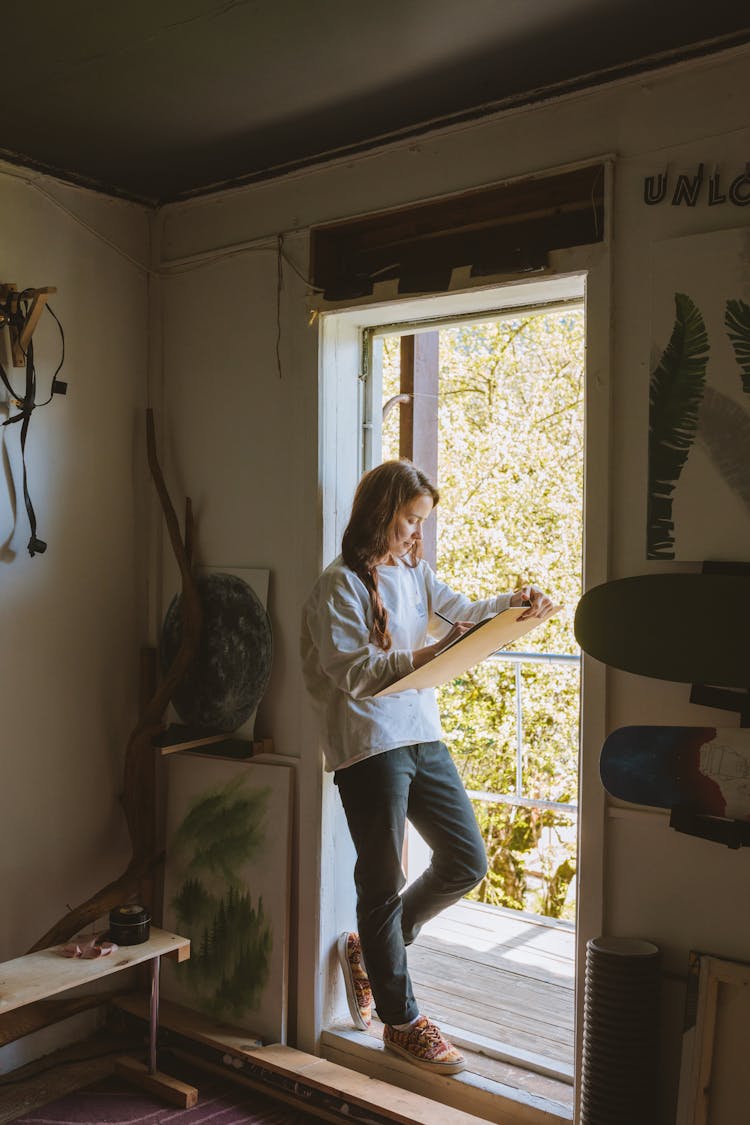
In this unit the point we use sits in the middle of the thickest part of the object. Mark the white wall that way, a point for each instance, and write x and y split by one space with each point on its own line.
243 439
239 428
71 620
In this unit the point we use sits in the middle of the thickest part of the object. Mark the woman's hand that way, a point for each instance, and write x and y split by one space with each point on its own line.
539 604
423 655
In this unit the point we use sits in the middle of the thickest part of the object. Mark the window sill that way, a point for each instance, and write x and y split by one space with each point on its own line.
469 1092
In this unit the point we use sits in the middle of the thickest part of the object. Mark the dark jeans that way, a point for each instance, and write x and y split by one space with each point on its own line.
379 793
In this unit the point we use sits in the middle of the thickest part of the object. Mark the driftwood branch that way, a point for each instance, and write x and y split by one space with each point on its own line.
139 788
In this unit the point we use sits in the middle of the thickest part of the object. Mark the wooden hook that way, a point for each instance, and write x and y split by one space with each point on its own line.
9 297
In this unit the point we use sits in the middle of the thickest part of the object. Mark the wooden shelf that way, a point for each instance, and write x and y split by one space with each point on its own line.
177 737
36 976
39 975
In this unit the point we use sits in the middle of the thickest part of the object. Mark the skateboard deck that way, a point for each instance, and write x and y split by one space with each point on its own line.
704 769
692 628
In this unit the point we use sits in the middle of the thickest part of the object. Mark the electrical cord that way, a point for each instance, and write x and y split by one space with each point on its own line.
15 313
55 386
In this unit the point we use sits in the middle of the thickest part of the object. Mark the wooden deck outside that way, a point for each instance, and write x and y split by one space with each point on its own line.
501 984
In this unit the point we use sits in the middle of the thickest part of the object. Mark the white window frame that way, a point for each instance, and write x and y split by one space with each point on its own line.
346 403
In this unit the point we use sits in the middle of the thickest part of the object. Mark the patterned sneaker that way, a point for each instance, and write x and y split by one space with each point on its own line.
423 1044
358 991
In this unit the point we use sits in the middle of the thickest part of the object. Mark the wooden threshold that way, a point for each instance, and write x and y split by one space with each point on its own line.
323 1087
468 1091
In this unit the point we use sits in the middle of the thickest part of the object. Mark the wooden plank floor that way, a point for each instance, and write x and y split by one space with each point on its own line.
501 975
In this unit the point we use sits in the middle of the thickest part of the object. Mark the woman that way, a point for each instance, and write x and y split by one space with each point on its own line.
366 624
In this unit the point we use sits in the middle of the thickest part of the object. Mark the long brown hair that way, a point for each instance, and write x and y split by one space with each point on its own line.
380 495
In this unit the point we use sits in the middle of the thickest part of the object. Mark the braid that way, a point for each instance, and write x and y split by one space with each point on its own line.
380 633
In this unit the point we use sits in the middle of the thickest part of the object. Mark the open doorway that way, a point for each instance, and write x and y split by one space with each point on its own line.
350 435
491 406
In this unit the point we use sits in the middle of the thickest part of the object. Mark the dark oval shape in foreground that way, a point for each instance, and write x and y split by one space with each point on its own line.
691 628
224 684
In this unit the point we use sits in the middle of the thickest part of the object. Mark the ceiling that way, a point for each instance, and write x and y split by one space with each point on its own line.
159 99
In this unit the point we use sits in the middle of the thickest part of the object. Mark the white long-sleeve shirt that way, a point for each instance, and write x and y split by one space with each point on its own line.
343 669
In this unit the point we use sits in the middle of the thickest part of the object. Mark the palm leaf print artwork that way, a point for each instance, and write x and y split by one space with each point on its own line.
231 937
676 392
725 434
737 321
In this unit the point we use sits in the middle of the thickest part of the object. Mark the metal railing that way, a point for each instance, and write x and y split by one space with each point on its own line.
517 798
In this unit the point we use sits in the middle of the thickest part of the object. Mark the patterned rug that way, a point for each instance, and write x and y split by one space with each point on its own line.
114 1102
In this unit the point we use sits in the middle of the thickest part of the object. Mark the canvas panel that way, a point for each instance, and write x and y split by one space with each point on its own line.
258 581
227 888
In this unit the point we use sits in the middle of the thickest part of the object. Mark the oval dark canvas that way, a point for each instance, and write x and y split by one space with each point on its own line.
224 684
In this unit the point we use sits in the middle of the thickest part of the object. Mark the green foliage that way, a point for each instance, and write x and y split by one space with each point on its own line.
193 904
232 945
556 889
676 394
510 432
223 829
232 939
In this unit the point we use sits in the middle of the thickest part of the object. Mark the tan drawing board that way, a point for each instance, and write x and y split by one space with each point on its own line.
467 651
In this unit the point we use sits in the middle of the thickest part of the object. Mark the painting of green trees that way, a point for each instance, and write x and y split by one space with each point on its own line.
510 456
223 830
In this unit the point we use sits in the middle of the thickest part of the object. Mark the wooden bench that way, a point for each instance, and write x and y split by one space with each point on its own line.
37 976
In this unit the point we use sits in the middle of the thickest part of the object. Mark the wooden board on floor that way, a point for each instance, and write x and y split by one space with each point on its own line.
397 1104
298 1067
191 1024
257 1084
490 1100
